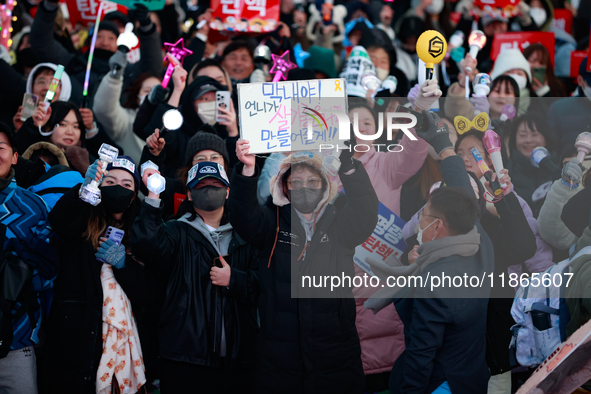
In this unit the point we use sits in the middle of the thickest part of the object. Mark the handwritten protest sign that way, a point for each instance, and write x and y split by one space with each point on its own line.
274 116
254 16
385 241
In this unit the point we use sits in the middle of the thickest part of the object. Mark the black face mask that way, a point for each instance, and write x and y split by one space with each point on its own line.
116 199
305 199
209 198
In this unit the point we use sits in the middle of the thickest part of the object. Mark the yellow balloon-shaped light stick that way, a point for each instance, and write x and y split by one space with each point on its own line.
431 48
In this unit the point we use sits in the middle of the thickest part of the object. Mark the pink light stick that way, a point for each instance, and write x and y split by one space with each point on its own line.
583 145
178 52
492 144
281 66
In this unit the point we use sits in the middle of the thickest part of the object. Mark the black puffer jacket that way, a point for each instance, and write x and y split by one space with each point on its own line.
190 327
306 345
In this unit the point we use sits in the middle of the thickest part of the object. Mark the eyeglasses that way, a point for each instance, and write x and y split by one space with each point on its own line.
421 214
296 184
214 158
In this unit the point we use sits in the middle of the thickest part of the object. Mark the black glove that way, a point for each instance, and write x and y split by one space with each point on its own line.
118 62
346 159
435 132
157 95
141 14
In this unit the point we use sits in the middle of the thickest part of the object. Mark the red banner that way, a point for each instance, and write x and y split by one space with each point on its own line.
505 8
589 57
522 40
253 16
563 19
576 57
84 11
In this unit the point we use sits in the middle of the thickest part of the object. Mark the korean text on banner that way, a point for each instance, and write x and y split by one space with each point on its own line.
276 116
521 40
245 15
385 241
84 11
152 5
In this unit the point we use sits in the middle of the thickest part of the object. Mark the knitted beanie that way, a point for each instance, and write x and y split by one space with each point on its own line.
203 141
510 59
126 163
110 26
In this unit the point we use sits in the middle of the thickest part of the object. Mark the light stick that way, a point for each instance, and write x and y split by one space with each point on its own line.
492 144
281 66
583 145
431 48
91 55
176 54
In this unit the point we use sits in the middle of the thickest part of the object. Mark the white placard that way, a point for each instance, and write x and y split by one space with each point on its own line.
274 116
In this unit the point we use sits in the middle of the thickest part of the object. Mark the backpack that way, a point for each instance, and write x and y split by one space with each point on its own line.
541 314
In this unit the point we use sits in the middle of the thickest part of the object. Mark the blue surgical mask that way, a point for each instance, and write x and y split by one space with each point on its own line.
420 233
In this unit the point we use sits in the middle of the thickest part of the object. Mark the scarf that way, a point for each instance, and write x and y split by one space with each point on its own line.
122 352
430 252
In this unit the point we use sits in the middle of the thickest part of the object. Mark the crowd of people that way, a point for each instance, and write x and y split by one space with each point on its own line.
194 287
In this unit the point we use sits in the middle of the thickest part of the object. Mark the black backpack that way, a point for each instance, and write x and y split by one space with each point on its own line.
15 287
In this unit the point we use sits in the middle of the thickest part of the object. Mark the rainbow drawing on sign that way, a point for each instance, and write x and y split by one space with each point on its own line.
315 118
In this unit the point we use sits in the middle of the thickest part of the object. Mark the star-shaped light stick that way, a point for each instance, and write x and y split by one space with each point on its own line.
176 52
281 66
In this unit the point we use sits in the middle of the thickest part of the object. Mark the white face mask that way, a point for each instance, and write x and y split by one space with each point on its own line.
382 73
538 15
420 233
206 112
521 80
435 7
142 98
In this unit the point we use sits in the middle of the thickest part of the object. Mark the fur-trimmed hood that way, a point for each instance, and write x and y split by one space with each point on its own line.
315 160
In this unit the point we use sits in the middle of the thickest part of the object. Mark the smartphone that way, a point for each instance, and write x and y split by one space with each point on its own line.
115 235
540 74
218 263
29 105
222 100
418 115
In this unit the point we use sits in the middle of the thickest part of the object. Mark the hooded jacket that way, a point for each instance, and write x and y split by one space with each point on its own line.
307 344
194 310
65 81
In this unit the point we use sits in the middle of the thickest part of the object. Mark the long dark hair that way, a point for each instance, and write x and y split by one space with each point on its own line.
534 122
61 109
557 89
100 219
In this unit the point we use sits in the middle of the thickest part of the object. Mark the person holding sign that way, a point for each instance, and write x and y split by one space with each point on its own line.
308 340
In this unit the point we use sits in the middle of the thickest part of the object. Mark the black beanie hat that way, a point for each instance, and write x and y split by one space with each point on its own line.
110 26
204 140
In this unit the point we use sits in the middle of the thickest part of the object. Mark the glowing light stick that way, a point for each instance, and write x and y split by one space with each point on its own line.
57 76
176 54
6 19
477 40
481 84
486 172
281 66
508 112
91 193
492 144
431 48
583 145
97 23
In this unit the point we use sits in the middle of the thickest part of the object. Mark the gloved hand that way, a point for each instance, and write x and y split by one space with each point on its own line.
157 95
94 172
412 94
140 14
112 254
258 75
428 93
117 63
346 158
480 104
572 172
435 132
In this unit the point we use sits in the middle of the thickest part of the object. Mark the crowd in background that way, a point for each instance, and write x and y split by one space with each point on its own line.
196 293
